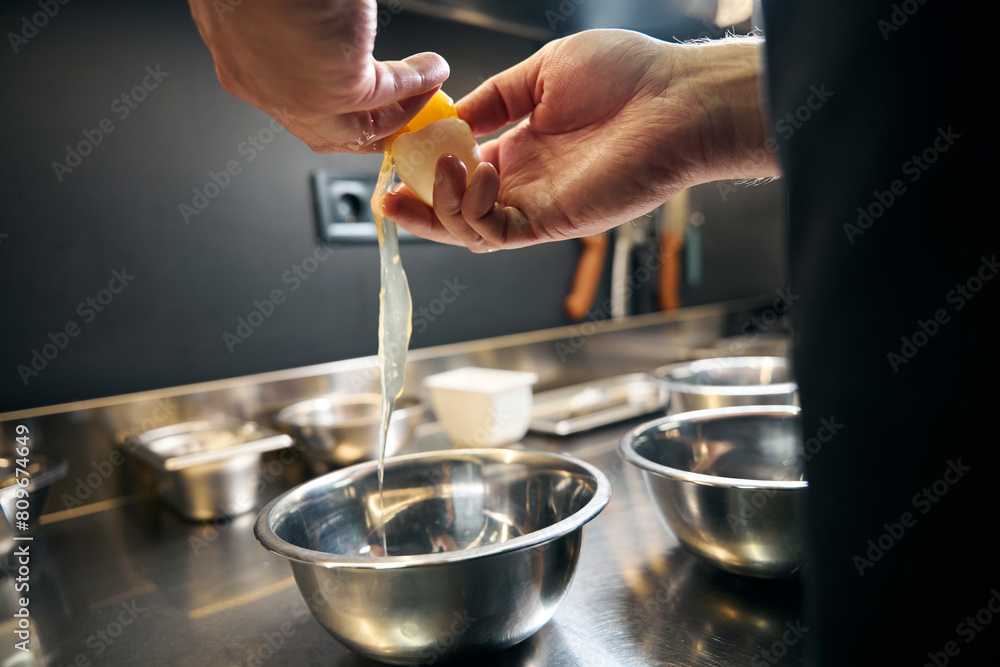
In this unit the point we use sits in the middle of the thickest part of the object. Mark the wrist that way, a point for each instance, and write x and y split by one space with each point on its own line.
730 134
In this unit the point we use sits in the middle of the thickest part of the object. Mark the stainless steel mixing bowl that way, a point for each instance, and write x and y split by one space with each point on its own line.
726 381
483 544
42 471
729 483
341 429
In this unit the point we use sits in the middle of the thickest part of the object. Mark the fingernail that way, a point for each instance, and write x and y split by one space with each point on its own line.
438 176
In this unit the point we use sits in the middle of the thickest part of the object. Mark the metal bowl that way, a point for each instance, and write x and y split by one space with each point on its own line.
483 544
729 483
341 429
727 381
43 471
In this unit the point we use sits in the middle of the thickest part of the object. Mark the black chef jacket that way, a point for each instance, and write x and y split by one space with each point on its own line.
880 112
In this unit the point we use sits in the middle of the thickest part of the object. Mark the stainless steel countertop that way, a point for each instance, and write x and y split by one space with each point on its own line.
121 580
134 584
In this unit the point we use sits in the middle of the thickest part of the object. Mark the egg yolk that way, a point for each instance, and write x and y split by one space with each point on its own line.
439 107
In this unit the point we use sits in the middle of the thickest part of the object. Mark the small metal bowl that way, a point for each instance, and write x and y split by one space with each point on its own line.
727 381
729 483
43 471
341 429
483 545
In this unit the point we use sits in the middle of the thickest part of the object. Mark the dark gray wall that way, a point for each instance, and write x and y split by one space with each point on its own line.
60 242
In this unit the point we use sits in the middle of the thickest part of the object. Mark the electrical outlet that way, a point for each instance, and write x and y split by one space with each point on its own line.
343 208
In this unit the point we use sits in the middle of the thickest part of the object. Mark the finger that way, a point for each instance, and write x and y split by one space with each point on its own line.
450 180
401 89
507 227
480 198
401 79
500 226
416 217
489 151
389 119
359 132
504 98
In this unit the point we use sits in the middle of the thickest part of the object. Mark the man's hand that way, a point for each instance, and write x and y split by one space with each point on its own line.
309 64
615 123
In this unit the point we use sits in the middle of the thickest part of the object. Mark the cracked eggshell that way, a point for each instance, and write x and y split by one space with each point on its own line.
416 154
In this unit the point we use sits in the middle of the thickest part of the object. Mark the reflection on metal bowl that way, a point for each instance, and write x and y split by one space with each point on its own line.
341 429
727 381
483 545
42 471
729 483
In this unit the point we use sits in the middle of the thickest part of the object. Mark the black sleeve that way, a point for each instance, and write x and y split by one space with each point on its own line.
880 109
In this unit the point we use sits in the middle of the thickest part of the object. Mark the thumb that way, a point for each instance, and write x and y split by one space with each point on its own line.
505 98
397 80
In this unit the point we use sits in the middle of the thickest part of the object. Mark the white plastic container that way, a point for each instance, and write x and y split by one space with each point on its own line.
482 407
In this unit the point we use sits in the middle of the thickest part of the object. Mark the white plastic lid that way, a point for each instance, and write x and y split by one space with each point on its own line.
481 380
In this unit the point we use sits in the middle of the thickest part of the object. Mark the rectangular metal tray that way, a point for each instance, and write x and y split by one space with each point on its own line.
190 444
593 404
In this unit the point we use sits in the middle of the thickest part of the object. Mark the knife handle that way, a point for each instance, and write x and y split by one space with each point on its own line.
587 277
670 271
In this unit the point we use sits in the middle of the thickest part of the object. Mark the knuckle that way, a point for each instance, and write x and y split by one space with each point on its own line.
320 146
228 82
484 244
